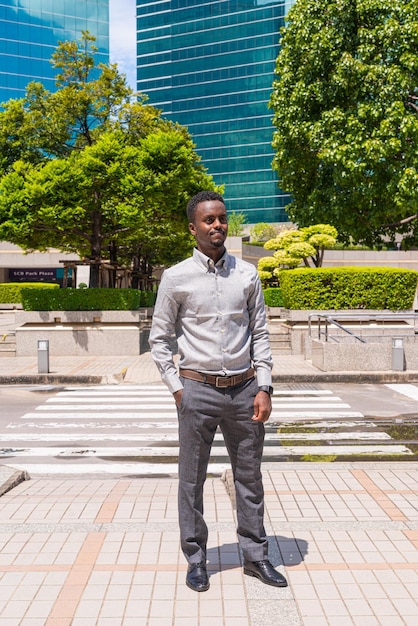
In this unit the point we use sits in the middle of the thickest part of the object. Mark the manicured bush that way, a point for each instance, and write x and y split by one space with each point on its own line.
348 288
273 296
148 298
95 299
10 293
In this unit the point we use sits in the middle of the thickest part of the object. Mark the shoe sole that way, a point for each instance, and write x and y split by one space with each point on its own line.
263 580
198 589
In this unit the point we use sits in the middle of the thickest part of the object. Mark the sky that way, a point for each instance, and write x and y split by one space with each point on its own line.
122 25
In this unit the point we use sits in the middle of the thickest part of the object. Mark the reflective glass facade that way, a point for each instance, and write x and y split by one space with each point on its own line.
210 66
30 31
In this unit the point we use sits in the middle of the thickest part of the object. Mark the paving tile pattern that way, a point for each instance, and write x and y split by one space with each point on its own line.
97 552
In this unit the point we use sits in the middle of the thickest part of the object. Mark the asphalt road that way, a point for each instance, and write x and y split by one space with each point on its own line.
132 430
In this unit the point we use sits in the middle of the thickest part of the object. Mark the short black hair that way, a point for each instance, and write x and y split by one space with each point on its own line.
202 196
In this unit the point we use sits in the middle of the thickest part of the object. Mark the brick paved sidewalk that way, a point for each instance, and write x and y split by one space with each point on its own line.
106 552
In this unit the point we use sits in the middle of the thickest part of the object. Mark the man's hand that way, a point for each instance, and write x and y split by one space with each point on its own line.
262 407
177 395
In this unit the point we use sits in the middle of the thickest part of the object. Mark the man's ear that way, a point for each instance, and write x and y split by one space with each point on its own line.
192 228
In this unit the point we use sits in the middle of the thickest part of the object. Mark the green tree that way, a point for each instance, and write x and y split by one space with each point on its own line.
345 107
89 169
108 194
262 231
236 223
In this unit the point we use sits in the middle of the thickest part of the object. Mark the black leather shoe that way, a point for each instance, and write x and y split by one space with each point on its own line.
197 577
264 571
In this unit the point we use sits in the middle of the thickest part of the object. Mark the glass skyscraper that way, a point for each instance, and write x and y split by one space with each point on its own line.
30 31
210 67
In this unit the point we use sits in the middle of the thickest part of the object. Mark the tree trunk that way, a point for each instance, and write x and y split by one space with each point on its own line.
135 272
96 247
113 261
94 275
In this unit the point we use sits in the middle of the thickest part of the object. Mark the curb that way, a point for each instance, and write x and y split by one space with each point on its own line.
347 377
36 379
64 379
15 478
228 479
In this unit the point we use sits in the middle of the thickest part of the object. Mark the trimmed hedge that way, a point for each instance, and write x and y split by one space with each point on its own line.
348 288
273 296
10 293
94 299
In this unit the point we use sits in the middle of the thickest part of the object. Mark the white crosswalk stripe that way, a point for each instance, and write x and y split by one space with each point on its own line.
174 437
132 429
410 391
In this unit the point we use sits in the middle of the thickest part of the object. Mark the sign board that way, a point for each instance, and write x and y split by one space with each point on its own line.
36 275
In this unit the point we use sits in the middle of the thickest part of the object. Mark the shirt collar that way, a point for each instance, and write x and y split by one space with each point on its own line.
202 260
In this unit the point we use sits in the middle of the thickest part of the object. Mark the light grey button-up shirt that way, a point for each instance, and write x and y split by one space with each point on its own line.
217 315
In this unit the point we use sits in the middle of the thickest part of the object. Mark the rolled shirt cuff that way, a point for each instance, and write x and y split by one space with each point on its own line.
173 383
264 377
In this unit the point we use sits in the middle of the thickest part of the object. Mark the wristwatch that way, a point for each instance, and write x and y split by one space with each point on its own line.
266 388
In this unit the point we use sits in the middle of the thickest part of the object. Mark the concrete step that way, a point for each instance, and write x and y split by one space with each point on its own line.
282 350
278 329
7 345
280 346
280 339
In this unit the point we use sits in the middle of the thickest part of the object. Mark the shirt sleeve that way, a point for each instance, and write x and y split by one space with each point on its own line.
260 342
163 337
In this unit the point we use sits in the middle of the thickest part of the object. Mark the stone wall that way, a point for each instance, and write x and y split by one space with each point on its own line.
83 333
335 258
369 357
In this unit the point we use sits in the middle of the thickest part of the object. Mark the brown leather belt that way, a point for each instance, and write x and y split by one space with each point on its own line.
218 381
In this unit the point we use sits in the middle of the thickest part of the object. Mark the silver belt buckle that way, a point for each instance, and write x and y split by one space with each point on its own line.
219 384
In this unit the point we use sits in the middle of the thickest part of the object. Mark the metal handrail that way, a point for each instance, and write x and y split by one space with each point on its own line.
358 317
329 320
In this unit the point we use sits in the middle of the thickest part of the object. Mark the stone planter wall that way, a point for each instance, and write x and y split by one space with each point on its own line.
358 357
298 315
106 333
374 333
83 333
89 317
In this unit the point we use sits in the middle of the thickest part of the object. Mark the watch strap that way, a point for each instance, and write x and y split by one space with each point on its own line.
267 388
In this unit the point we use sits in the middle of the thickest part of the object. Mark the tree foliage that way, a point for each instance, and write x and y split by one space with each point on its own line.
262 231
236 223
345 107
91 169
294 246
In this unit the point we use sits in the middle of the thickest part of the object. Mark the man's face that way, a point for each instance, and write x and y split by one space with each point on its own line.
210 228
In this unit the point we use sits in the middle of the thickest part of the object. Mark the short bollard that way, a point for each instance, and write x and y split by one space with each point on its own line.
398 354
43 356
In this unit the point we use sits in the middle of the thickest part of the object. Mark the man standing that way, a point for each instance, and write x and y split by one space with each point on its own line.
212 305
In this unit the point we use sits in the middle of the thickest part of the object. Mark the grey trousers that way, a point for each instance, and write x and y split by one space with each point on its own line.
204 408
